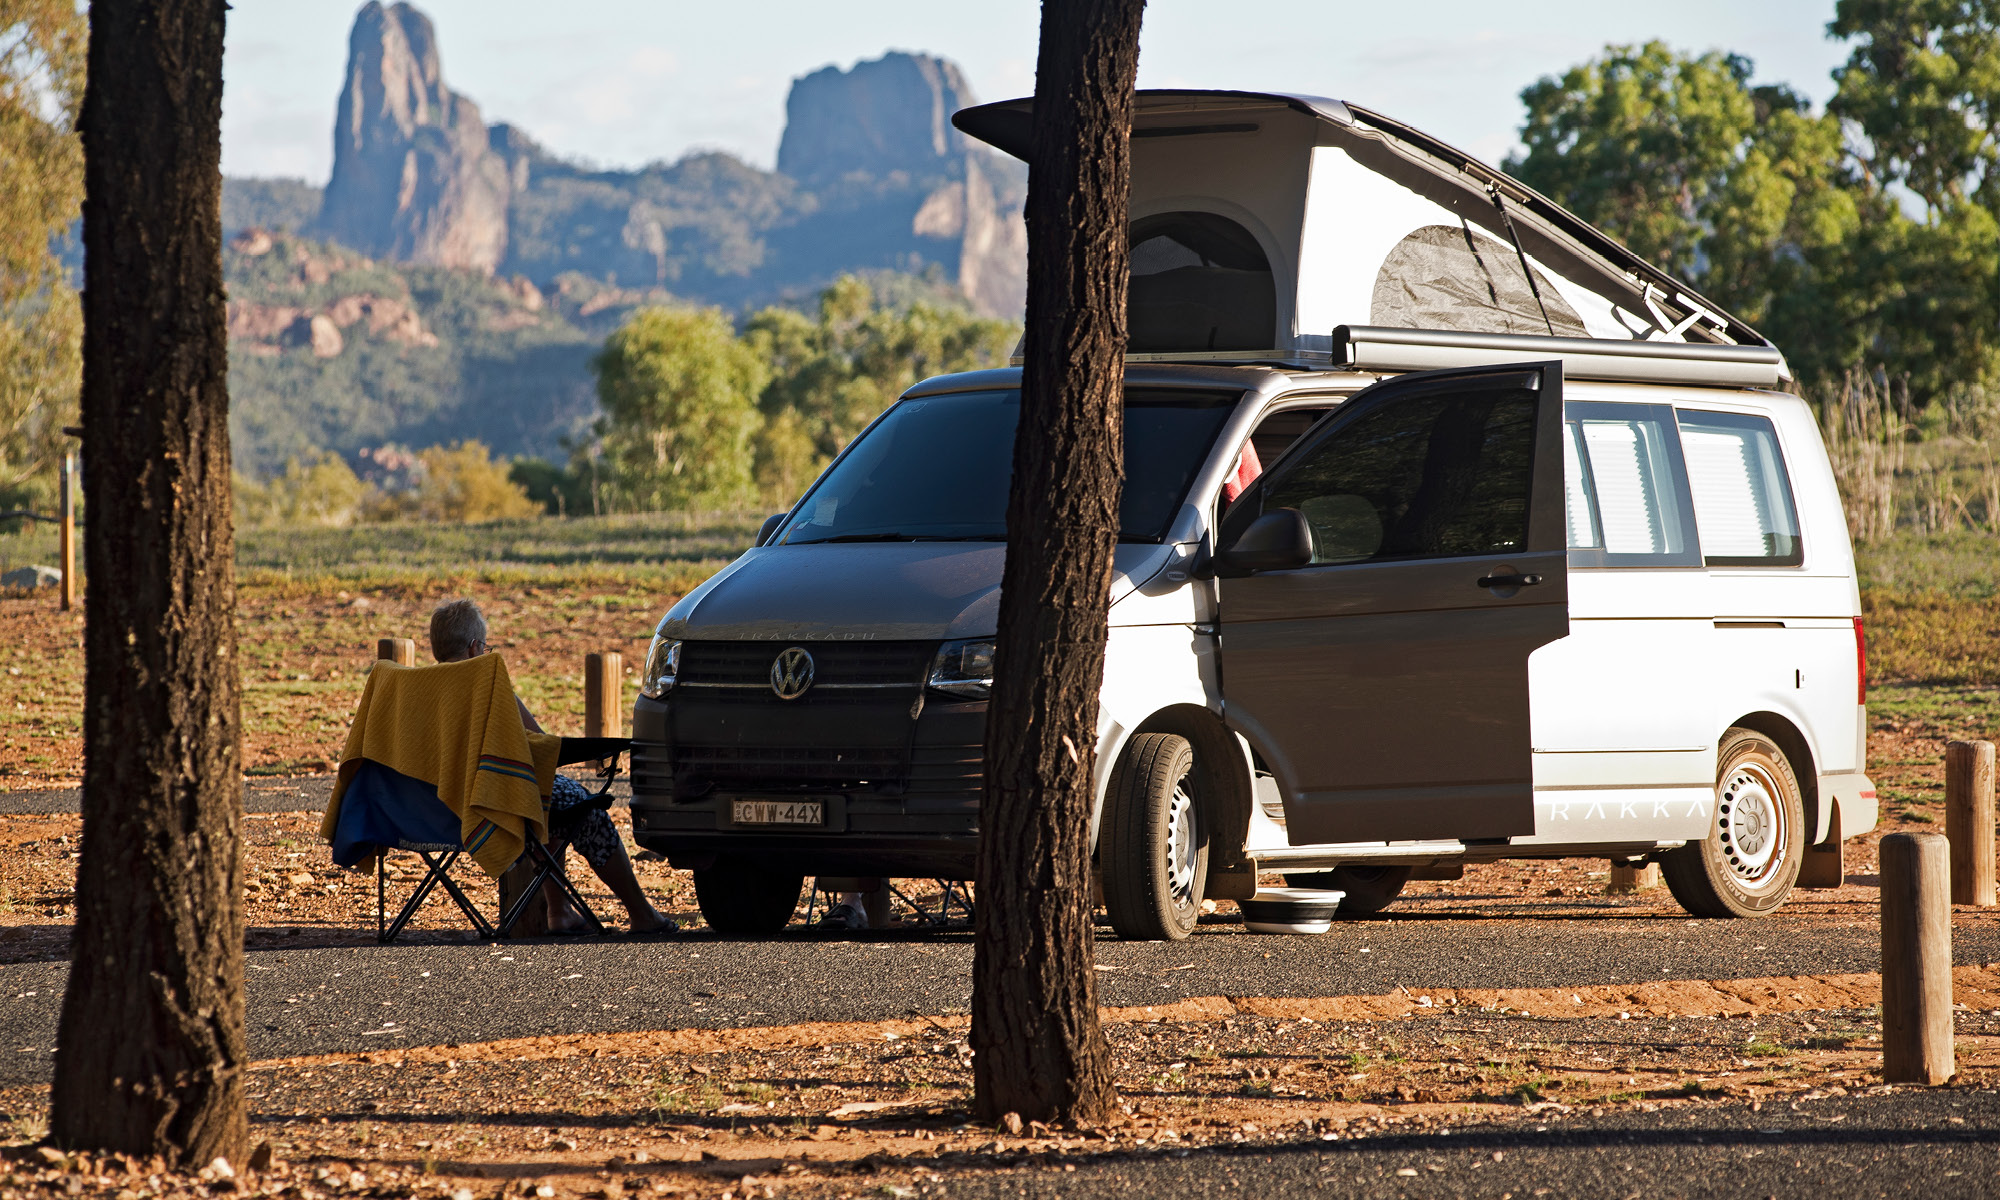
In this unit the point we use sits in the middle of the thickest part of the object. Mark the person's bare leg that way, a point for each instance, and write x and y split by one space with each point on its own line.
562 916
617 875
534 920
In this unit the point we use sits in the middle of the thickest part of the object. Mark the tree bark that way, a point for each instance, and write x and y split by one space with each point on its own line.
1040 1052
152 1048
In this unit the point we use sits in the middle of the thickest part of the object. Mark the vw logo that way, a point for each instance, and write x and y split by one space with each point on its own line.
792 673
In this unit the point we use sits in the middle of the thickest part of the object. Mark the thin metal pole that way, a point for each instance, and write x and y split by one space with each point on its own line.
66 514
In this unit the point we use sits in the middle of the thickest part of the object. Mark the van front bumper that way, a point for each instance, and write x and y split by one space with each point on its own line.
912 812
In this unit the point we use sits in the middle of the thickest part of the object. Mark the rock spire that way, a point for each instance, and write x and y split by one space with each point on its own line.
414 177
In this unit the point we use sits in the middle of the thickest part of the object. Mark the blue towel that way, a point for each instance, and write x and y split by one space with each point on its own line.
382 808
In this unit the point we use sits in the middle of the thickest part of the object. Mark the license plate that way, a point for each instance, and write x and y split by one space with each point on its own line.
777 812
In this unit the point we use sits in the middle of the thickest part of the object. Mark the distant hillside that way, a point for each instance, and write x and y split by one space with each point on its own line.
332 350
871 176
453 278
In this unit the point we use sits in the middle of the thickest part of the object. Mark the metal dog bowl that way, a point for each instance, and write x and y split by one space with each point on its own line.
1291 910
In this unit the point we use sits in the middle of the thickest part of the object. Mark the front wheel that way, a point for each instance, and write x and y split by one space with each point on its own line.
737 898
1747 864
1152 846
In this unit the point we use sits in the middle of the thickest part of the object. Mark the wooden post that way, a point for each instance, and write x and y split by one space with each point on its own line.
401 651
603 694
1916 959
66 526
1626 879
1968 820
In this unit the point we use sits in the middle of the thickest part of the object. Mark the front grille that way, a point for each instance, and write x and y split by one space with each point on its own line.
747 665
850 731
790 766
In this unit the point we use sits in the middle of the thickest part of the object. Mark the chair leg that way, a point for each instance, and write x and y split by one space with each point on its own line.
437 874
465 904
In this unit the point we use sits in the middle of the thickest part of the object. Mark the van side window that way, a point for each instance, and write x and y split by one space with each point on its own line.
1428 477
1742 497
1625 487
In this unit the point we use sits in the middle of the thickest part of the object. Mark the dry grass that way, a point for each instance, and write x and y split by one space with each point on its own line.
1904 471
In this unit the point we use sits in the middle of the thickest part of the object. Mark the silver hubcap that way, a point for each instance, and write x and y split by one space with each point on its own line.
1750 823
1181 846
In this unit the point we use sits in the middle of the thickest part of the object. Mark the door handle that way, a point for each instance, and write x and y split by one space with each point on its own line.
1509 580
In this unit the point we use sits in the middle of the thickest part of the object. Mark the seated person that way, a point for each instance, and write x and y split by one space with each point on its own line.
458 632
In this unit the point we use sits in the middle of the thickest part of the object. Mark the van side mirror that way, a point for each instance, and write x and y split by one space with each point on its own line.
1277 541
769 527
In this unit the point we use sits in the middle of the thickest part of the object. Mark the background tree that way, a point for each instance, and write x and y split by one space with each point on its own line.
1766 206
41 165
324 491
1923 84
679 394
835 371
1040 1051
151 1033
1922 90
1641 142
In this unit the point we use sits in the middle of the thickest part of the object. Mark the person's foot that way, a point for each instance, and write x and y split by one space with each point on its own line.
844 916
654 921
566 921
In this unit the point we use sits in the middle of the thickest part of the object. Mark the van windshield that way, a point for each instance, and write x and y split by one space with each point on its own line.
937 469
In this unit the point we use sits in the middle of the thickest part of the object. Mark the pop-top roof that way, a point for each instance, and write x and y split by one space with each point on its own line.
1356 220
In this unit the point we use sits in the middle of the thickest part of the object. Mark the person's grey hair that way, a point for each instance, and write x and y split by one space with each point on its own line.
455 625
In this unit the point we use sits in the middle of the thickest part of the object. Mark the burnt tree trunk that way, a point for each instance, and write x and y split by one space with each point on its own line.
152 1051
1040 1052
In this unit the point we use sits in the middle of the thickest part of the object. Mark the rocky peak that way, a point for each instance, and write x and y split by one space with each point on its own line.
885 115
414 175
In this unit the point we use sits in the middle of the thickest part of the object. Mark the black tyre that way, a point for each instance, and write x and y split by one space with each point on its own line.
1369 889
737 898
1152 844
1747 864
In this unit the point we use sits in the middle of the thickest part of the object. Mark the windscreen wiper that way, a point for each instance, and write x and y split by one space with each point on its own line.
905 537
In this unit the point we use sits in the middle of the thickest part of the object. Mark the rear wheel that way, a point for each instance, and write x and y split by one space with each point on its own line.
737 898
1152 845
1747 864
1369 889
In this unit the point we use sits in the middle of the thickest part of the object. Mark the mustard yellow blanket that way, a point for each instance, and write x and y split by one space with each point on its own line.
457 726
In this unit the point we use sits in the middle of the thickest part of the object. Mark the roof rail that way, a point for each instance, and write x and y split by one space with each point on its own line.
1379 348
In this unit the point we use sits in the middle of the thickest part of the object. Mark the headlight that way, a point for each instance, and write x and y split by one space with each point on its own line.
663 662
964 669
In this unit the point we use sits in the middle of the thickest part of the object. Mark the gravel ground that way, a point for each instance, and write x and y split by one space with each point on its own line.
1474 1103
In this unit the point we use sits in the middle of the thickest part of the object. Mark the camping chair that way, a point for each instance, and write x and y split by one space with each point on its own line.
387 810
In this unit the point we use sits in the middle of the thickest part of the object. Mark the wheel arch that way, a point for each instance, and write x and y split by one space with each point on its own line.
1805 767
1225 793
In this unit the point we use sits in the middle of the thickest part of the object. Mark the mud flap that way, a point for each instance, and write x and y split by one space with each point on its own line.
1822 866
1237 882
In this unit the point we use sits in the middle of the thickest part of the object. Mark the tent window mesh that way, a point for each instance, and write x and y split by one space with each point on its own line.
1199 282
1451 277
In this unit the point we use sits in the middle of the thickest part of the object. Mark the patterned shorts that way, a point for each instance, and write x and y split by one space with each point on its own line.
573 822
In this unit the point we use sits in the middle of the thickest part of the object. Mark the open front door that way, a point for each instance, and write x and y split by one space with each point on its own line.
1386 681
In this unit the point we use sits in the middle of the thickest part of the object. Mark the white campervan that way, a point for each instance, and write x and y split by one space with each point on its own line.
1451 532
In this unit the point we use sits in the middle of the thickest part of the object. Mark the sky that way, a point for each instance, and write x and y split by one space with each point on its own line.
621 83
